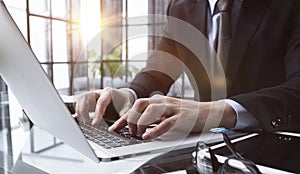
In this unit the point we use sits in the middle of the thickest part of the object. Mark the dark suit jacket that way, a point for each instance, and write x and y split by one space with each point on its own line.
263 69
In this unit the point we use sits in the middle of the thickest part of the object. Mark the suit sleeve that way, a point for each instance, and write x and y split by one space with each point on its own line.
162 69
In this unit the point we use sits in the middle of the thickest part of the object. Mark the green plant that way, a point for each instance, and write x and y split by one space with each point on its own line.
112 64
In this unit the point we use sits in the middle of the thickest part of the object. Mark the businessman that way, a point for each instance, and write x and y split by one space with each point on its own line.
261 61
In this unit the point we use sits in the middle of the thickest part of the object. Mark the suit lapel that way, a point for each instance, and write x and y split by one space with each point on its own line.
198 15
251 14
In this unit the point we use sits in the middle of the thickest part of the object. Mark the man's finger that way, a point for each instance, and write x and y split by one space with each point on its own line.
83 116
132 128
118 125
82 111
140 130
151 114
133 115
102 103
160 129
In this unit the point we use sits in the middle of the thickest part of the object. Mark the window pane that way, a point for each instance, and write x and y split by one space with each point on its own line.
138 48
60 9
111 39
134 68
76 42
61 77
112 10
60 41
80 78
39 7
46 69
15 4
19 16
75 7
89 19
137 43
40 38
137 8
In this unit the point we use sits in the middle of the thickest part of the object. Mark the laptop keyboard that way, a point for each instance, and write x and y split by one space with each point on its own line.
106 139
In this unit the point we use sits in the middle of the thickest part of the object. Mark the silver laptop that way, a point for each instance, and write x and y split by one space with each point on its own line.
24 75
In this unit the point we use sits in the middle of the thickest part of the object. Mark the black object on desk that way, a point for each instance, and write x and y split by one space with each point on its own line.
272 150
176 160
170 162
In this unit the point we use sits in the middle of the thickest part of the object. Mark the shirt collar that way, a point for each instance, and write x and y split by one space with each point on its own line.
212 4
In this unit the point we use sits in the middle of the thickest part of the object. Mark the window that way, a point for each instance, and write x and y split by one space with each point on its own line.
60 34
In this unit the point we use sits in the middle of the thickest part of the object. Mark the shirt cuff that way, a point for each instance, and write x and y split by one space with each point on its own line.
244 120
133 93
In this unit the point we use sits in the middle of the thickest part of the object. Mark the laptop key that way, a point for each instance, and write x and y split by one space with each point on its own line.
114 144
106 146
106 139
124 143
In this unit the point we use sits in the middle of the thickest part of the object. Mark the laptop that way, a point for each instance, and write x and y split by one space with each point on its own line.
26 78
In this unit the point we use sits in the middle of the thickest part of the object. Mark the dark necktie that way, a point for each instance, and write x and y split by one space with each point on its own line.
224 36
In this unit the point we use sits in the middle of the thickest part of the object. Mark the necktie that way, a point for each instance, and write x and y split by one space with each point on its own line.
224 36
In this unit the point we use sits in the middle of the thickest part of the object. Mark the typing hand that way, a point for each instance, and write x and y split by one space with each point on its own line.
98 101
176 114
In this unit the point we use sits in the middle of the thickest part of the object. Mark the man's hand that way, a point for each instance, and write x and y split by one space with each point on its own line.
98 101
184 115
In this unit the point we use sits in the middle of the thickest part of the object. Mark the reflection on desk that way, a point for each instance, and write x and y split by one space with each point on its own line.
170 162
62 159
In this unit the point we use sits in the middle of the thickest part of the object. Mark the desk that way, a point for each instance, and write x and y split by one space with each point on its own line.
62 159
